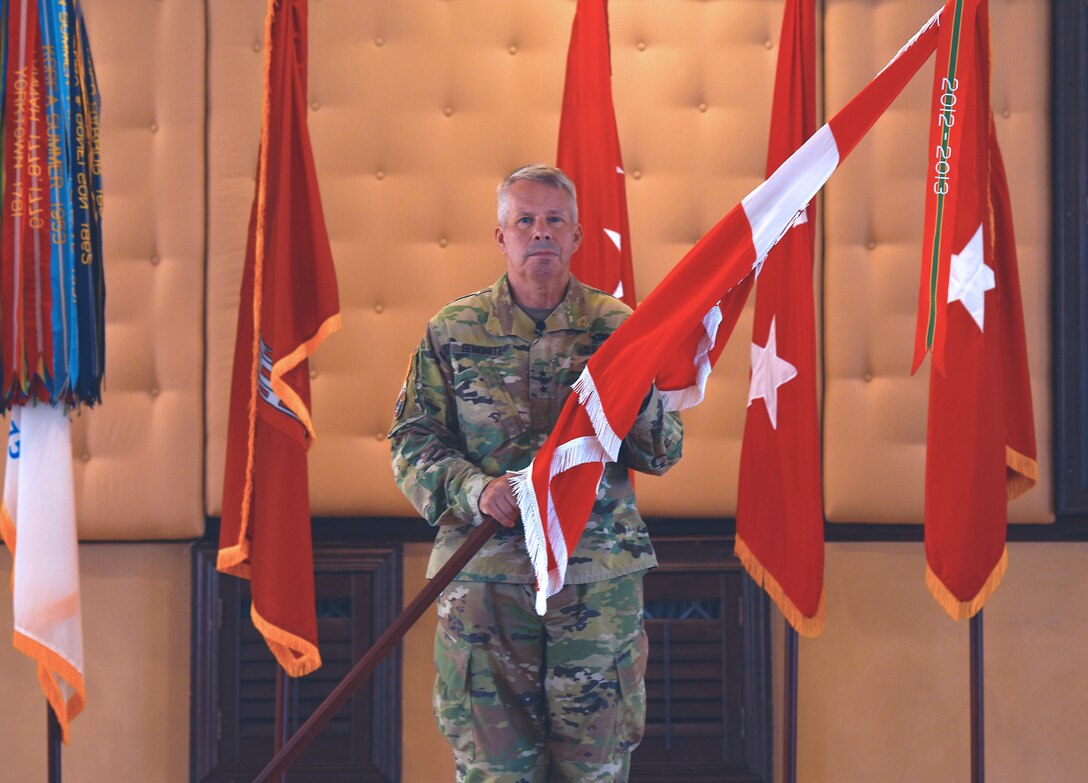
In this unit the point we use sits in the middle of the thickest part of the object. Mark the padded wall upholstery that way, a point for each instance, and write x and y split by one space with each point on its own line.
419 107
234 59
139 456
875 412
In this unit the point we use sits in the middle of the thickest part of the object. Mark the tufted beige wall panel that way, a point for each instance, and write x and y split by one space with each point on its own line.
418 108
875 412
139 456
235 57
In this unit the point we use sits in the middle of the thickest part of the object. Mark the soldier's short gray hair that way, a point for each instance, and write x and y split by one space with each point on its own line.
537 172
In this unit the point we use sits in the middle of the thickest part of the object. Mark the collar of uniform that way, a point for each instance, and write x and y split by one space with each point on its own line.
507 318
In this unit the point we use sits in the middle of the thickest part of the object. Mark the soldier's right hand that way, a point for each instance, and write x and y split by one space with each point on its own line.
497 500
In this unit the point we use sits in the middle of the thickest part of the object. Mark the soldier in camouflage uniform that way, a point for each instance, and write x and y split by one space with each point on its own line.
523 698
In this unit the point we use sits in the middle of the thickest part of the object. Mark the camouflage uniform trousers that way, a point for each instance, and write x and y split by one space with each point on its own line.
530 699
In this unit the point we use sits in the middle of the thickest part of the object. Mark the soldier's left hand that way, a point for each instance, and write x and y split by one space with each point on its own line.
497 500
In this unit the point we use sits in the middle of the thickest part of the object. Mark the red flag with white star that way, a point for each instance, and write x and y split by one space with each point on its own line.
589 152
677 333
980 448
780 504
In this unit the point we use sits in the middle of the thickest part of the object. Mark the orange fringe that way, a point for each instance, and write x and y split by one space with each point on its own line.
297 656
7 528
287 394
50 667
7 533
1022 473
50 664
234 560
230 559
961 610
258 270
810 627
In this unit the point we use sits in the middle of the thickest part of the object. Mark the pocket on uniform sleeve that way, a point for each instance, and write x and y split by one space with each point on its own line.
452 707
631 706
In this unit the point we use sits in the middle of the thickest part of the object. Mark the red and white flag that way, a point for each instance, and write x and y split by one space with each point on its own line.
589 152
38 522
677 333
980 447
289 305
780 505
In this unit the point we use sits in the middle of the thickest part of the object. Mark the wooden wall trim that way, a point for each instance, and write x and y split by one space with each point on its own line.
1069 107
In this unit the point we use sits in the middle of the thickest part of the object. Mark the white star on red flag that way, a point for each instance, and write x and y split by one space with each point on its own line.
969 278
615 237
768 373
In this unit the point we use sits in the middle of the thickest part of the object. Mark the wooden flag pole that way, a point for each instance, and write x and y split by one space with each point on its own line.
281 723
789 718
359 673
53 743
978 715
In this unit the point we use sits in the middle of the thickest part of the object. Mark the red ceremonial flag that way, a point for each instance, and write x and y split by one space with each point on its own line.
980 448
780 506
289 304
589 152
677 333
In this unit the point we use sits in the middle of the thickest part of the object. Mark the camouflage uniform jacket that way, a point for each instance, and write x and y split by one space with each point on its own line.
483 391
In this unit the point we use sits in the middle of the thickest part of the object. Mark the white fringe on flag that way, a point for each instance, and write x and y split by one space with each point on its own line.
521 481
591 401
933 20
579 451
689 397
557 577
576 452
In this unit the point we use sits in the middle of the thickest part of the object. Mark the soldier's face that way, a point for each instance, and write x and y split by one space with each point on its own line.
539 235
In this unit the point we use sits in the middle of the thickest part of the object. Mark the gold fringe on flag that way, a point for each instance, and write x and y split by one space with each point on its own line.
51 665
962 610
232 558
286 393
1022 473
810 627
296 655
